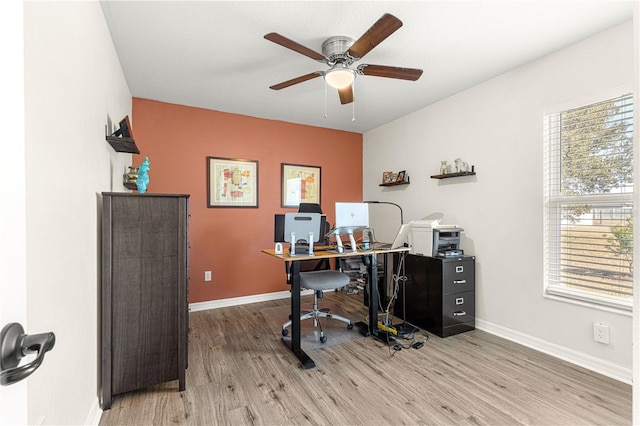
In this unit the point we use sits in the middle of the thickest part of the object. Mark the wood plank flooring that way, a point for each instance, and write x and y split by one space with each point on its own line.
240 373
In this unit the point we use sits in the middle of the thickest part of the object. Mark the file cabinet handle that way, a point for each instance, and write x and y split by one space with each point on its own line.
459 313
459 281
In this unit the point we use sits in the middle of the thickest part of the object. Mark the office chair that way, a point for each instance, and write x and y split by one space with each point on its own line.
319 278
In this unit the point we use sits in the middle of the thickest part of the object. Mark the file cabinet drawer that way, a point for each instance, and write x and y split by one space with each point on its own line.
458 276
458 308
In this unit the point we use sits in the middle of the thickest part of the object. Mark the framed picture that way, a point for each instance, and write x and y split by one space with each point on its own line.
400 177
386 177
232 182
300 184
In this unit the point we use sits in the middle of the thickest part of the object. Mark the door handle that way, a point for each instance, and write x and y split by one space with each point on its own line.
14 345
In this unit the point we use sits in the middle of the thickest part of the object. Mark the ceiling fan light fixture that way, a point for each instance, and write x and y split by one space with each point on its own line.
339 77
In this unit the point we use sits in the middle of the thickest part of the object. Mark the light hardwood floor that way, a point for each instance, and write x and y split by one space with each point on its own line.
240 373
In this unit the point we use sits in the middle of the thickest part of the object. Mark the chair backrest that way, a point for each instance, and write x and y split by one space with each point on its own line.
325 226
309 208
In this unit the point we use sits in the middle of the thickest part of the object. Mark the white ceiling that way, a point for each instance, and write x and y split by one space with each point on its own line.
212 54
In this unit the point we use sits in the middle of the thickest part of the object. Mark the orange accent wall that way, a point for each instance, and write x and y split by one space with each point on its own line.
228 241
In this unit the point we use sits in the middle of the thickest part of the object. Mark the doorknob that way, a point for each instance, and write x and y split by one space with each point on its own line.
14 345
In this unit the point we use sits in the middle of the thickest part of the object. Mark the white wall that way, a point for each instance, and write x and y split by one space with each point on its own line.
74 87
497 126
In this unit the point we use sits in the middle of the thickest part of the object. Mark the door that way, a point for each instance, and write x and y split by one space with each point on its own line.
13 255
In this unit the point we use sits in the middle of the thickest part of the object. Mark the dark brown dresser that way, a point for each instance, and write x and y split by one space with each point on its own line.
144 291
439 294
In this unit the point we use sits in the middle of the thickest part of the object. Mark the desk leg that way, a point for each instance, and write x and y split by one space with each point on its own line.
372 276
372 272
293 342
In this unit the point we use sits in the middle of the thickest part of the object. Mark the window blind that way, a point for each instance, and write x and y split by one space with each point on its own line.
589 199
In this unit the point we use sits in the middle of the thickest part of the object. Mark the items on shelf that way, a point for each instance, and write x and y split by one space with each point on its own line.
355 268
142 181
392 178
122 139
130 178
458 168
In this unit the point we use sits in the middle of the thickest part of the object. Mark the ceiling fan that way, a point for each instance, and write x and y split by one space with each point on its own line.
340 52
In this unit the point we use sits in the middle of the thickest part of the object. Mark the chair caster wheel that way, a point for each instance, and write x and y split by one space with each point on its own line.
285 331
323 339
349 326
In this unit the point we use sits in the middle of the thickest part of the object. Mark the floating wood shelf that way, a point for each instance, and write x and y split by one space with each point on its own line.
452 175
403 182
122 144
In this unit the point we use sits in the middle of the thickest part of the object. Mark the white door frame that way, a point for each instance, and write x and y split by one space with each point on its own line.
13 218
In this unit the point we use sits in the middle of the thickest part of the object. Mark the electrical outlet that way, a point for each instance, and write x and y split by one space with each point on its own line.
601 333
207 275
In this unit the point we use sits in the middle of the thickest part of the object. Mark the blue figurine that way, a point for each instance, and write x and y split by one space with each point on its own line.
143 176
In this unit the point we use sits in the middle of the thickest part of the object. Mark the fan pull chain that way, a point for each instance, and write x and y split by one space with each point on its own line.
325 99
353 104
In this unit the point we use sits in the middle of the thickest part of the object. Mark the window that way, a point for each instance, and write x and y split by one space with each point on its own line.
589 202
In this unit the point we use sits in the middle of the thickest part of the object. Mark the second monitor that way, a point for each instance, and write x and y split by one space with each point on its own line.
350 218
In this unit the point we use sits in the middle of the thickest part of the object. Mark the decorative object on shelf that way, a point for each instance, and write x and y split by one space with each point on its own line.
457 169
232 182
130 178
122 139
300 184
142 181
387 177
394 179
461 166
458 163
456 174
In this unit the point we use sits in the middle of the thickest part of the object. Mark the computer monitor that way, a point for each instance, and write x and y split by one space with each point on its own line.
278 227
351 217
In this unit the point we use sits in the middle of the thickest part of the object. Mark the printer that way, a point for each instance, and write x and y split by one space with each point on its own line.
431 238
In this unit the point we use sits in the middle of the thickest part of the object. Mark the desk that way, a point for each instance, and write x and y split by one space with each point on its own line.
370 260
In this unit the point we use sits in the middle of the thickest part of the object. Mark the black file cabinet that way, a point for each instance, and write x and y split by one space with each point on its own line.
440 294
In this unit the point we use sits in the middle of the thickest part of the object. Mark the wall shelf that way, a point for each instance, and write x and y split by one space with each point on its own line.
452 175
402 182
122 139
122 144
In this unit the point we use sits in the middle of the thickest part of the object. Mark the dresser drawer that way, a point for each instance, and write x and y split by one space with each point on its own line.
458 308
458 276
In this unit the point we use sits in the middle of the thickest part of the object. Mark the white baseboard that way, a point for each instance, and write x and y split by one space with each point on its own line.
93 418
578 358
236 301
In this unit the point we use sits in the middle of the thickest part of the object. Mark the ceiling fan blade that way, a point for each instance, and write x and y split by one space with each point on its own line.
296 47
296 80
346 95
383 28
390 72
